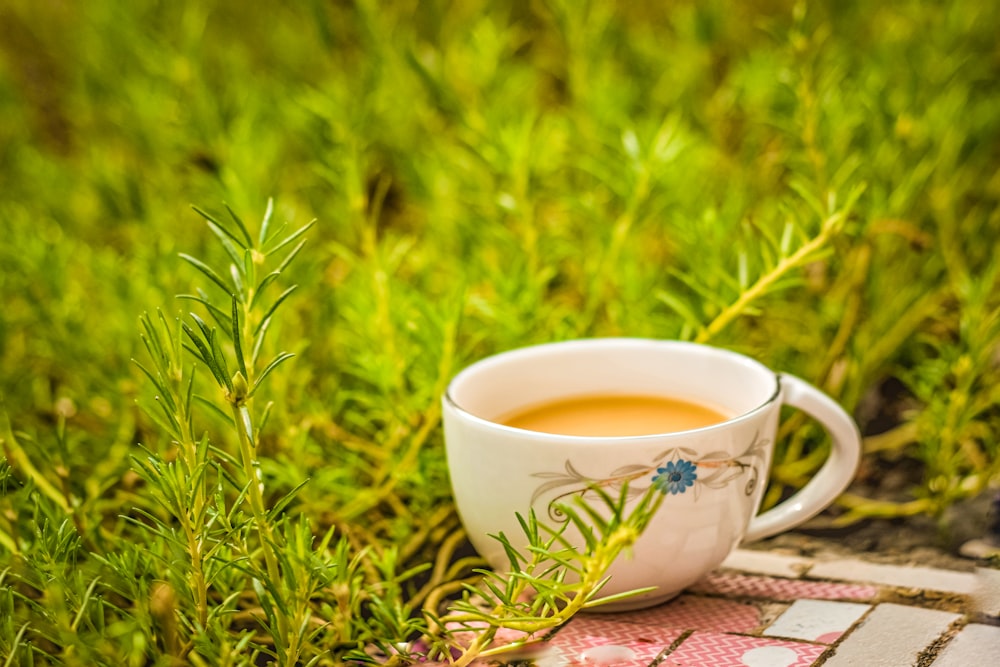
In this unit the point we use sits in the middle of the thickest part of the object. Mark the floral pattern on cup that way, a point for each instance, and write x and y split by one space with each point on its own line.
676 471
675 477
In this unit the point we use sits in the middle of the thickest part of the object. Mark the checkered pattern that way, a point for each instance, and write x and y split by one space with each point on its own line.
745 619
774 588
707 649
590 639
691 612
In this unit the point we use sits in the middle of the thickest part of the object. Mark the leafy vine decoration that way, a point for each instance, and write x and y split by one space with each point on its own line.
672 472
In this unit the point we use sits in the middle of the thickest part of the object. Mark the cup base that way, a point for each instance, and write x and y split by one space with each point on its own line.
633 604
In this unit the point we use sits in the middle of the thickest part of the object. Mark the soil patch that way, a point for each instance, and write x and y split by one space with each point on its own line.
917 540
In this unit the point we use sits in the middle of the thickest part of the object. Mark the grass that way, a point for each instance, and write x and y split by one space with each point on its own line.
813 184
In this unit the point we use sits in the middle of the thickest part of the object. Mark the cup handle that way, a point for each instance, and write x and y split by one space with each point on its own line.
835 475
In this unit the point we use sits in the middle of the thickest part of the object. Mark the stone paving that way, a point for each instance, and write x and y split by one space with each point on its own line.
764 609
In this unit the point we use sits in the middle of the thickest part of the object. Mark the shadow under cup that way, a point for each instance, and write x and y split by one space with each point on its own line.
712 478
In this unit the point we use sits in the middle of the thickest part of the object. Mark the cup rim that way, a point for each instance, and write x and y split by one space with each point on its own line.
596 342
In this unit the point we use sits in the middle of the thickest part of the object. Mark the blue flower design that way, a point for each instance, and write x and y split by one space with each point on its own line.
675 477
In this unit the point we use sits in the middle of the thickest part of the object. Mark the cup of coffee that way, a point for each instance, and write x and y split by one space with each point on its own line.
530 428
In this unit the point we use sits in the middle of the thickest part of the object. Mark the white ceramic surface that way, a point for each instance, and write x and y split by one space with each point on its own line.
713 478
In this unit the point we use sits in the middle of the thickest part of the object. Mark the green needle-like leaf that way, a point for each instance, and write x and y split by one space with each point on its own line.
277 361
248 240
213 221
205 354
207 270
274 306
292 254
262 287
237 337
271 249
219 359
235 251
222 319
266 222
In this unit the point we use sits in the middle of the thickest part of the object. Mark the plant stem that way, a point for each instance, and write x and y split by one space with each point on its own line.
8 543
766 281
248 455
193 527
600 287
19 460
198 582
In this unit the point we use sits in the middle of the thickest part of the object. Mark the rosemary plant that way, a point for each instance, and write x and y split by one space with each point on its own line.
236 575
214 495
545 586
811 183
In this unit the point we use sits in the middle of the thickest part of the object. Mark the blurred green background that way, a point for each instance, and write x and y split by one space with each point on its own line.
490 174
813 184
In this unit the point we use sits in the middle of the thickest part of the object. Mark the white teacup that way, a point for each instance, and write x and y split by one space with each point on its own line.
719 472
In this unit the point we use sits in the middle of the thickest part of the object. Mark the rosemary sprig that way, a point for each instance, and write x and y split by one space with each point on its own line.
549 581
249 570
191 487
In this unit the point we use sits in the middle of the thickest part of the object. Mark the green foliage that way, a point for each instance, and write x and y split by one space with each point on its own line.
813 184
218 570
